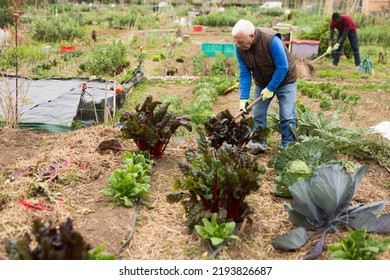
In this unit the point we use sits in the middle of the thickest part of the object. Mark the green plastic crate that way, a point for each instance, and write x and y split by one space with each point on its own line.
210 49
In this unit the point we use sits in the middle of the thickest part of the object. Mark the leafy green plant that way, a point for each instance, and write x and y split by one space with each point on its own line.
358 142
322 204
374 34
301 106
205 92
56 29
358 246
259 17
217 182
97 254
51 243
7 58
6 15
218 68
131 181
298 161
135 19
151 126
216 232
326 103
222 85
198 63
40 69
224 129
73 54
174 101
199 109
314 90
106 59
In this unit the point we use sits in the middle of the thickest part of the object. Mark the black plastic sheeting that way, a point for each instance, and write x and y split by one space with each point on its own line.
53 105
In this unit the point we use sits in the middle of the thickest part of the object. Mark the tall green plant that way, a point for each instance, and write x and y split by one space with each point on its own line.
56 29
135 20
107 59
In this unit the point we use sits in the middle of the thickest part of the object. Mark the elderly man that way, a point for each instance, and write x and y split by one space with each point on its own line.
262 56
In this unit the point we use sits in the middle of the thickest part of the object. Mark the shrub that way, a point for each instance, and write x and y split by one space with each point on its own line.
56 29
135 20
107 59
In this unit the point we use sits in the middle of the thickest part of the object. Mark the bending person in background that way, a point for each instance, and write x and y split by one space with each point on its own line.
345 27
262 56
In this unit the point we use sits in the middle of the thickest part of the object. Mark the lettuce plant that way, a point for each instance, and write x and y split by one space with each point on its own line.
151 126
51 243
322 204
215 232
131 181
358 246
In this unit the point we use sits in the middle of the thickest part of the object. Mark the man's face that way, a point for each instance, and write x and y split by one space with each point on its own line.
243 41
337 20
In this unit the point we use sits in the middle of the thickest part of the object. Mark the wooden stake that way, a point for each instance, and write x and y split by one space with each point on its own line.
114 103
105 106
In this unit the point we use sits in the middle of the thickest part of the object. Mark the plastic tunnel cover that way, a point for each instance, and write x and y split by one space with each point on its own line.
52 105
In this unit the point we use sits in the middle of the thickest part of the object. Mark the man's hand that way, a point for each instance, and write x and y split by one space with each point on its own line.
329 50
243 105
336 46
266 93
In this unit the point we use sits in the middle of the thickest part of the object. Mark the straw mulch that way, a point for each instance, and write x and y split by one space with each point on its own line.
161 228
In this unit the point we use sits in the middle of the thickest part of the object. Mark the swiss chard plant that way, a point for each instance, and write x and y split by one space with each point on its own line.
322 204
151 126
217 182
131 181
215 232
224 129
50 243
358 246
298 161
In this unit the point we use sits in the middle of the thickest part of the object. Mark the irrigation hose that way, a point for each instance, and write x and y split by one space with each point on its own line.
132 230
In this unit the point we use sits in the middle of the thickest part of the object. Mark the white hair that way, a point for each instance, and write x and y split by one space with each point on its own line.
245 26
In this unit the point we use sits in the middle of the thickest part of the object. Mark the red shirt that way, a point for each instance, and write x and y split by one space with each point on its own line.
346 22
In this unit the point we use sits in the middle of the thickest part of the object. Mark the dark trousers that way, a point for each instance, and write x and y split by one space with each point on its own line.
353 40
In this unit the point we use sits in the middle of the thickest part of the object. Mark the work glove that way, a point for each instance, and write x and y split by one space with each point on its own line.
336 46
329 50
266 93
243 104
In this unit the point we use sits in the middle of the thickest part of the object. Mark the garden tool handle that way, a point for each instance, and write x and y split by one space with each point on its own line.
318 58
250 106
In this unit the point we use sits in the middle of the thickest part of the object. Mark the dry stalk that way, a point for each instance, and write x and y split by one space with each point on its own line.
8 115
